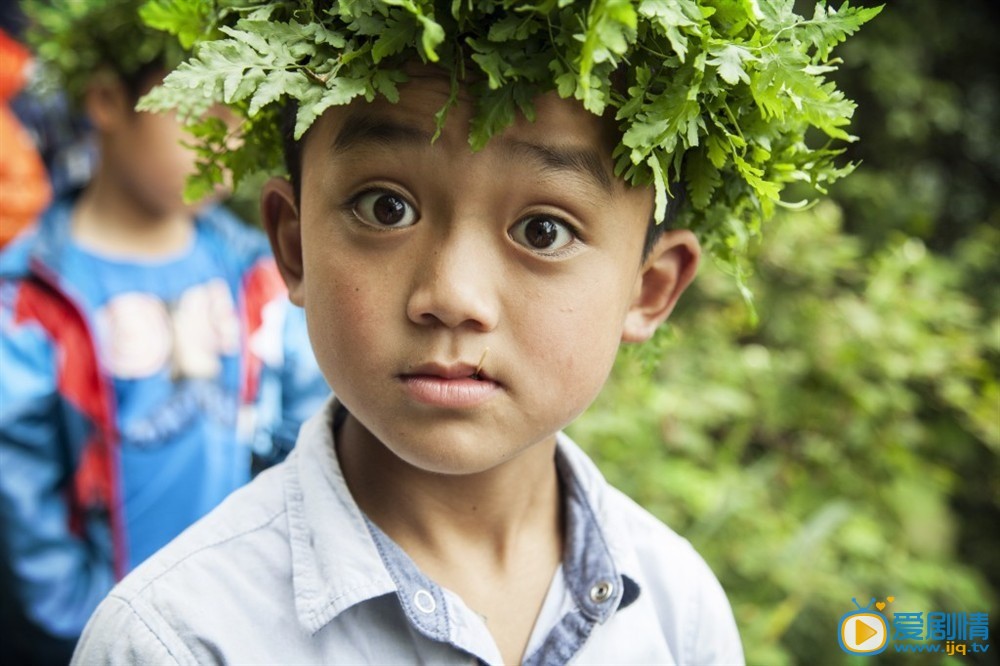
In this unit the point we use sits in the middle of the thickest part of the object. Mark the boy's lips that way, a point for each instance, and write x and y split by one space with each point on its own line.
450 386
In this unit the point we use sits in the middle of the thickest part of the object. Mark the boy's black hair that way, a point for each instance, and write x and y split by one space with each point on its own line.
137 82
74 39
293 165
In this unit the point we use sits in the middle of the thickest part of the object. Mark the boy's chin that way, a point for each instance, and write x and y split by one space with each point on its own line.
456 457
452 463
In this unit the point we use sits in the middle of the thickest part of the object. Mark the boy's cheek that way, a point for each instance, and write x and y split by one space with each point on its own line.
578 340
344 313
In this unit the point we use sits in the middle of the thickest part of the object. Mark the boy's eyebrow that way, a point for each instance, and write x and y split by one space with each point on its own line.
583 161
359 130
373 129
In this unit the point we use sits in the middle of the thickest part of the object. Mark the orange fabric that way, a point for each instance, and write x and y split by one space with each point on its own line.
24 184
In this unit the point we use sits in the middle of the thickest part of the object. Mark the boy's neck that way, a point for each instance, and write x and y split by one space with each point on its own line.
108 220
434 513
494 538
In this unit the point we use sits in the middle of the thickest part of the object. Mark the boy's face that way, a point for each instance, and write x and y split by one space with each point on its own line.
143 153
151 162
412 258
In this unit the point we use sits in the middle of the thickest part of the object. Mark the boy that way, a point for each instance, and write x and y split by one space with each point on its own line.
465 306
148 352
436 477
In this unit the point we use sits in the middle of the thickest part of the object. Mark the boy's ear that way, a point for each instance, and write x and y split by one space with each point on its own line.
666 273
106 101
280 216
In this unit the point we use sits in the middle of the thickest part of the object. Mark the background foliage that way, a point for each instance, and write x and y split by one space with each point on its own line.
847 446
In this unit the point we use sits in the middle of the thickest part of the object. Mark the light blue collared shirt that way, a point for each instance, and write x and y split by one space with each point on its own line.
289 570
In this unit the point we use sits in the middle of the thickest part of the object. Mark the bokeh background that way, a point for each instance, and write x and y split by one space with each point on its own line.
847 445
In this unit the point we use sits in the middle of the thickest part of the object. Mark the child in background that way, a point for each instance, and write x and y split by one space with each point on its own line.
149 352
466 303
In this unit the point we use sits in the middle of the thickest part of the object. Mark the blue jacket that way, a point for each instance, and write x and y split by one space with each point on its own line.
62 535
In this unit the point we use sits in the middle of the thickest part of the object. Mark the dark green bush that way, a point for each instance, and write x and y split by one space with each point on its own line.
847 446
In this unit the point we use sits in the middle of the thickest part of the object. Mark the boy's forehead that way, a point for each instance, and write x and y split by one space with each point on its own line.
558 123
563 140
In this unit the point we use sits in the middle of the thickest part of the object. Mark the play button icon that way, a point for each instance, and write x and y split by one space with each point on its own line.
863 632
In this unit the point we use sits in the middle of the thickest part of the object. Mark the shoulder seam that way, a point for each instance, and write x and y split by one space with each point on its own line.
187 556
138 616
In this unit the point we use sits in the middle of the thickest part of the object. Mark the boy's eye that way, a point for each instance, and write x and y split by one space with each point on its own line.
542 232
381 208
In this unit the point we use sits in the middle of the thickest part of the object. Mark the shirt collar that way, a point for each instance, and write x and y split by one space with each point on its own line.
592 576
335 563
340 559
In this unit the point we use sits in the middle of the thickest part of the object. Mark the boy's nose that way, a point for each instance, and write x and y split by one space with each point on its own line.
454 285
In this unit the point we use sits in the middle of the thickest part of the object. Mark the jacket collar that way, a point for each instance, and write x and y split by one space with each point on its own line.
42 248
42 244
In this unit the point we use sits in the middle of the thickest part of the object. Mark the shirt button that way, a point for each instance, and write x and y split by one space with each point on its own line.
601 592
424 601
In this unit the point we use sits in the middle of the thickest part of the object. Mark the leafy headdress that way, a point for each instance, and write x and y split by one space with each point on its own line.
76 39
715 97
